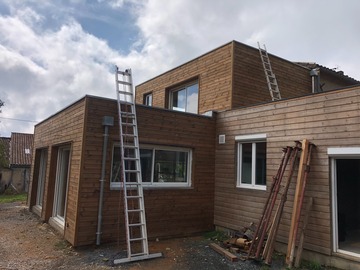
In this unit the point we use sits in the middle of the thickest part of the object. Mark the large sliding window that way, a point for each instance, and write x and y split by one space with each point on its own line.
251 161
161 166
185 98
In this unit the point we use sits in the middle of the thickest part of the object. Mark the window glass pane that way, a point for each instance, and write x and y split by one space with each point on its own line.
260 173
41 178
146 164
157 166
116 165
192 99
148 100
179 100
62 180
170 166
246 163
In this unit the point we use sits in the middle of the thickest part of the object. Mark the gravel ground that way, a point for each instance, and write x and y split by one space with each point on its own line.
27 243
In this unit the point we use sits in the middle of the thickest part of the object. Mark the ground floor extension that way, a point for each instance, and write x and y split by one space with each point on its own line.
177 158
249 155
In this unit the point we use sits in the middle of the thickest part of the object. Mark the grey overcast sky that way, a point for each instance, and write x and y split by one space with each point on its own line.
54 52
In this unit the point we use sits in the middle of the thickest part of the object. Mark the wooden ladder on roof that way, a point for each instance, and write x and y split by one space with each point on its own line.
269 74
134 207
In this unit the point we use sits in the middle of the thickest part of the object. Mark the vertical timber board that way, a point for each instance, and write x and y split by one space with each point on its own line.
299 186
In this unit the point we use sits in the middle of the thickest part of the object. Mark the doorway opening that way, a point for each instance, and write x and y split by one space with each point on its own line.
346 204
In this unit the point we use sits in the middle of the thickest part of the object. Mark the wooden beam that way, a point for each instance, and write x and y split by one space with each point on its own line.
224 252
299 185
302 236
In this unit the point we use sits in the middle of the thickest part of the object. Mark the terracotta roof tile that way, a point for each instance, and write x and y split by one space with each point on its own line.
21 149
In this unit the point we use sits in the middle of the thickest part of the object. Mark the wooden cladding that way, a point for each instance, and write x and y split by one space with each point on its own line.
211 70
229 77
249 82
169 211
328 119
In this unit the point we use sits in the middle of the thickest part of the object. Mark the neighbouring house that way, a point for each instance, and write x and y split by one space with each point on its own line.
215 115
16 161
5 171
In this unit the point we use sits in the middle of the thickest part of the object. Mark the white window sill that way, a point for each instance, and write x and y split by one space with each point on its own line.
258 187
57 224
155 186
37 210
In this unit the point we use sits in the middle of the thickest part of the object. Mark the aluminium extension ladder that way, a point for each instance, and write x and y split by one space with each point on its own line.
134 208
269 74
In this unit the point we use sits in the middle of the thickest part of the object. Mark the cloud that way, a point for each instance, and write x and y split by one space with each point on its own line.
51 56
43 73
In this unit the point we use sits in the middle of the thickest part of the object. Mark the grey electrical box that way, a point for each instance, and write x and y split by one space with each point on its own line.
108 121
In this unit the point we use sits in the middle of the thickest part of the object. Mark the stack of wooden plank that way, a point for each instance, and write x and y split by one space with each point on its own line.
257 245
304 169
262 246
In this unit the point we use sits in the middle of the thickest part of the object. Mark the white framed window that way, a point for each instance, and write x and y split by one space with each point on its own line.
251 161
148 99
161 166
185 98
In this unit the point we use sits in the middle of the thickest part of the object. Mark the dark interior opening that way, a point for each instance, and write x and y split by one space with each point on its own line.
348 203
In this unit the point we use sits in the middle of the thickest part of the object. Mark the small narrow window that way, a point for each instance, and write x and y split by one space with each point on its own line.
251 161
148 99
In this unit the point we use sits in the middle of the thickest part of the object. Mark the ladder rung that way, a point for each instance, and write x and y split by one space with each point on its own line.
136 224
130 146
127 113
123 82
126 103
125 93
134 197
138 254
132 171
134 210
128 124
129 135
132 183
130 158
124 73
137 239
